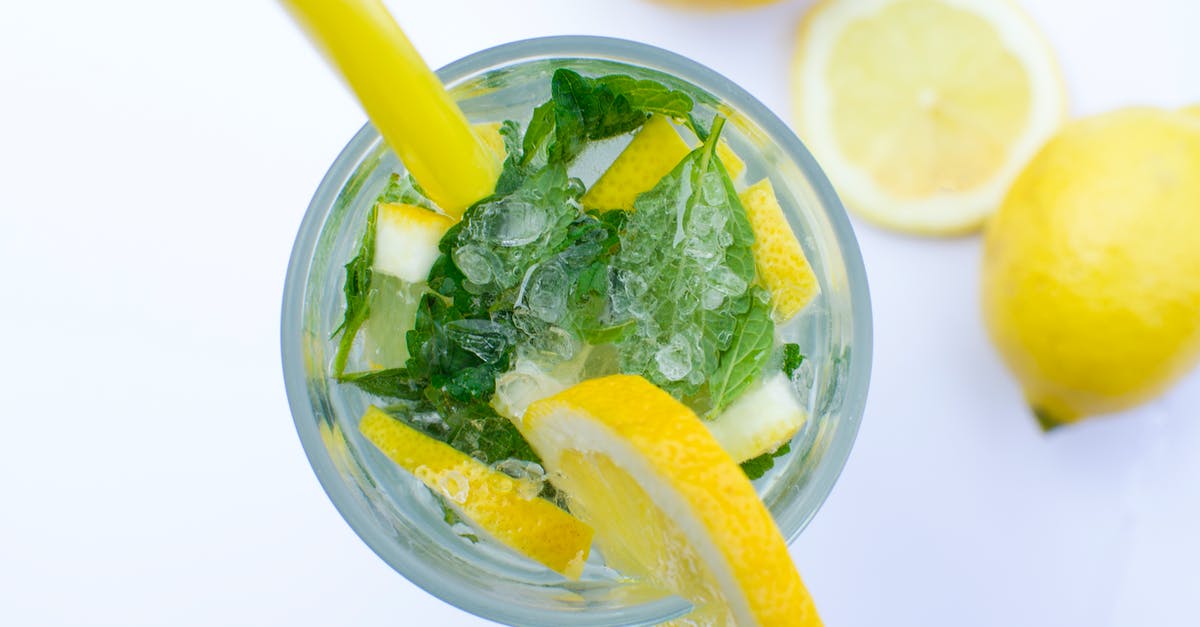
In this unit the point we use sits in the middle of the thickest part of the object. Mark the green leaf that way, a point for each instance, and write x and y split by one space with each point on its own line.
395 383
689 225
358 293
588 109
791 359
742 363
757 467
404 189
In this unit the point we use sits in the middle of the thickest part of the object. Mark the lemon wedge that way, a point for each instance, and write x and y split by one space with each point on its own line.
759 421
652 153
778 256
923 112
668 504
493 501
406 240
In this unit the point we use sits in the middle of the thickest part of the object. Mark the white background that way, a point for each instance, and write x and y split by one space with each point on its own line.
155 160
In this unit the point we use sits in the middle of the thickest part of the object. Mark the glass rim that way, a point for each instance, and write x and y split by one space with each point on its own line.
443 585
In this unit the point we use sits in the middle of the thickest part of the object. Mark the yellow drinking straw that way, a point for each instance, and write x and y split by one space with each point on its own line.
402 97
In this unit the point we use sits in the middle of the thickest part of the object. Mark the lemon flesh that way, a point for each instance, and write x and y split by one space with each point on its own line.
498 504
923 111
1091 271
668 504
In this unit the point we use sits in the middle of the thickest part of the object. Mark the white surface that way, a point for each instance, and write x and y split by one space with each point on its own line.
156 158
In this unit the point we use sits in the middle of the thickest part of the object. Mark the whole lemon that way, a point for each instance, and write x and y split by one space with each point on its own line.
1091 269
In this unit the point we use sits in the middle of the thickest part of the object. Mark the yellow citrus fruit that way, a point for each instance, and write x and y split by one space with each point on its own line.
406 240
1091 270
1193 110
668 504
652 153
498 504
759 421
778 256
923 112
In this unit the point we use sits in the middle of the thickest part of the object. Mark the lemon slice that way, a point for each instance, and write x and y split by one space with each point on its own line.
923 112
759 421
495 502
781 263
667 502
652 153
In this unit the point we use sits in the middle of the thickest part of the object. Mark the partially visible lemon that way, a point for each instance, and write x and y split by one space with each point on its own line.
667 503
1193 110
778 256
923 112
1091 271
498 504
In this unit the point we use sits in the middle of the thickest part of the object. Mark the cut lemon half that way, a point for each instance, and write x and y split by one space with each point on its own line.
652 153
495 502
668 504
778 256
923 112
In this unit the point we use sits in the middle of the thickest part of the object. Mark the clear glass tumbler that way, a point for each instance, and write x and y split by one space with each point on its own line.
400 519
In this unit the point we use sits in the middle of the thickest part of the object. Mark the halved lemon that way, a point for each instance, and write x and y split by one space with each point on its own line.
923 112
495 502
668 504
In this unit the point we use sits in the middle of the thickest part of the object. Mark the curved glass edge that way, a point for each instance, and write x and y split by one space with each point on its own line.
791 521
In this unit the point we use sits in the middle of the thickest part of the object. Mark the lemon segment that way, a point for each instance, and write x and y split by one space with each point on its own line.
924 111
778 256
760 420
652 153
732 162
492 500
406 240
1091 269
668 504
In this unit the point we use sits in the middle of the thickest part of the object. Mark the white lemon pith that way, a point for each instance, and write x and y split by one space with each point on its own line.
668 504
760 421
492 500
1091 271
922 112
406 240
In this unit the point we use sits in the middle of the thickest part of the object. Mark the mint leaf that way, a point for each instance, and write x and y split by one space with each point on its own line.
792 359
588 109
758 466
742 363
649 96
683 274
404 189
358 293
394 383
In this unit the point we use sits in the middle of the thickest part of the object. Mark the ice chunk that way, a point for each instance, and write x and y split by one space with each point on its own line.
476 262
546 292
511 222
486 339
675 359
